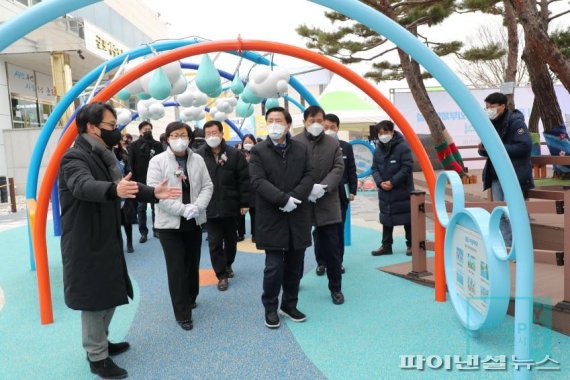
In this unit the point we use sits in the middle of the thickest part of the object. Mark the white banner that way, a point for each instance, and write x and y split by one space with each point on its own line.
46 90
101 43
21 81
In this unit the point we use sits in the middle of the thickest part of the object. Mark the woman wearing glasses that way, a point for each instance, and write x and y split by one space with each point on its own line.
180 220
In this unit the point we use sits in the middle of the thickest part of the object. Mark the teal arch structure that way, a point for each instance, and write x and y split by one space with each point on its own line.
522 250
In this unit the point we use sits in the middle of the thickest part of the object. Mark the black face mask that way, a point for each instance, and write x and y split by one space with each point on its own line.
110 138
148 135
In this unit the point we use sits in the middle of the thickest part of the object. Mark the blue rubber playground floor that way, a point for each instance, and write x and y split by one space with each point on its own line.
383 319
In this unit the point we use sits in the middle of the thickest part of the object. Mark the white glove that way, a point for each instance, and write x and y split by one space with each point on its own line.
291 205
317 192
191 211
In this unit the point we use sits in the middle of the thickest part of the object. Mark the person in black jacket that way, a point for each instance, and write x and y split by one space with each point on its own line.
516 139
282 176
95 277
128 209
228 171
248 142
140 153
332 125
392 173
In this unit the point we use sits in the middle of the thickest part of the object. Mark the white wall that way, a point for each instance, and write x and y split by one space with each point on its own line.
5 115
19 145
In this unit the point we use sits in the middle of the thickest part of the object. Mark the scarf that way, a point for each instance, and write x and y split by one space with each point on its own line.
106 156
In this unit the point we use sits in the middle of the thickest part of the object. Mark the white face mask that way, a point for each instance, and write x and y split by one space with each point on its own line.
275 131
247 147
213 141
492 113
315 129
179 145
331 133
384 139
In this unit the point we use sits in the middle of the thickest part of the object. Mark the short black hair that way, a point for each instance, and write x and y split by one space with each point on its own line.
496 98
176 125
333 119
313 111
288 118
162 138
144 124
385 125
249 136
210 123
92 113
199 133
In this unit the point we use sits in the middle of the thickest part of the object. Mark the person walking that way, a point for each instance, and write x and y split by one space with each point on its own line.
179 220
248 142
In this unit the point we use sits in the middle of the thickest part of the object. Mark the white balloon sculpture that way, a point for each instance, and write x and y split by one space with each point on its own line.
223 107
193 114
192 97
123 116
150 109
269 83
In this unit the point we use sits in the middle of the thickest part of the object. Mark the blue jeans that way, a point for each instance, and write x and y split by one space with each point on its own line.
505 225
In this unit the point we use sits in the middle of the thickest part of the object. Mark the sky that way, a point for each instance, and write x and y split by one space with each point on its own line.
276 21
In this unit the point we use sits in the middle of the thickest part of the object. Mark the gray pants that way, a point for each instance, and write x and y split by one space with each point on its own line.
95 329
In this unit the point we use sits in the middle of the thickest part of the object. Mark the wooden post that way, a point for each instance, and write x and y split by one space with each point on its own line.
565 304
419 261
12 191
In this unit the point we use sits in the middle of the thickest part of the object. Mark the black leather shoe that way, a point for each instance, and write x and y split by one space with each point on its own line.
337 298
229 272
320 270
143 239
342 269
223 284
409 252
107 369
118 348
272 320
294 314
130 248
186 325
156 234
382 251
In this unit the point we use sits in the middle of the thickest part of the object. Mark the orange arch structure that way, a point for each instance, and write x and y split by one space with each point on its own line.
39 227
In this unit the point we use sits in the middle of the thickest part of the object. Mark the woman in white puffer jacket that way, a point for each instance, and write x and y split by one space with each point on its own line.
179 221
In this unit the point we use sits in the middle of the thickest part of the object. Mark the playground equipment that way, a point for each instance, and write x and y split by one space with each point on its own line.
360 12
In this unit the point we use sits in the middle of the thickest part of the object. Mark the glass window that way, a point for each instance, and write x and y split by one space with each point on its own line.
45 110
25 2
25 113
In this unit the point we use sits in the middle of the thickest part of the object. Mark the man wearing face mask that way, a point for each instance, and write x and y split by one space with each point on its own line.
228 170
140 153
91 189
332 126
324 200
516 139
282 176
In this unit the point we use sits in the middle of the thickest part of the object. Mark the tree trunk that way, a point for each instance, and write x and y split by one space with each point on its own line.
534 117
513 50
543 89
537 39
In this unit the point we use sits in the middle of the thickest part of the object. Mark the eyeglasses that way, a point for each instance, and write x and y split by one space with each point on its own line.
176 136
112 125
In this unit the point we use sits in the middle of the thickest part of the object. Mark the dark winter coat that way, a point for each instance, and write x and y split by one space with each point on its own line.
517 142
328 167
349 175
140 153
95 273
277 175
230 179
393 162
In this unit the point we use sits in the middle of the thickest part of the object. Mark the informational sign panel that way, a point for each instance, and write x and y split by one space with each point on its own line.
21 81
363 157
471 268
46 90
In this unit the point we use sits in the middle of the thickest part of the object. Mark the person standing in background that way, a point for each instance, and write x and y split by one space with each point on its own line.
248 142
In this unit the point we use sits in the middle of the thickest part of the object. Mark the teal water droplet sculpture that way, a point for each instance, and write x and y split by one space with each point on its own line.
237 85
159 85
208 78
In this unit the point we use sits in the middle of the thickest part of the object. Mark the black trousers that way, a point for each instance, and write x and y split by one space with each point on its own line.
387 239
141 216
241 223
283 269
222 241
127 225
328 252
182 254
318 254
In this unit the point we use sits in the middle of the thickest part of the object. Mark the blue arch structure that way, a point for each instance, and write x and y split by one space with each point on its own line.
80 86
38 15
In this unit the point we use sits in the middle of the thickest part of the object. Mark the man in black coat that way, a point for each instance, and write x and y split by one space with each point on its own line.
332 126
516 139
230 176
140 153
95 277
281 174
392 173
